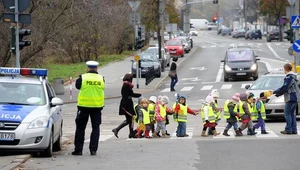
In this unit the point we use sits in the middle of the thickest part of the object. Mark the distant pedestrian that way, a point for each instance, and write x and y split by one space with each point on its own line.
260 113
126 106
173 74
290 90
90 103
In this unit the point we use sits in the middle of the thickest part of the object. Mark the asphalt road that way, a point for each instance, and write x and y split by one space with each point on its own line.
198 75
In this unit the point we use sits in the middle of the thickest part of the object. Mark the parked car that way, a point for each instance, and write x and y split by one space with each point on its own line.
238 32
147 60
194 32
273 80
175 48
187 45
226 31
273 35
240 62
255 33
165 61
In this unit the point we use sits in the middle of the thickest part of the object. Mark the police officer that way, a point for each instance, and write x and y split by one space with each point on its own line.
90 104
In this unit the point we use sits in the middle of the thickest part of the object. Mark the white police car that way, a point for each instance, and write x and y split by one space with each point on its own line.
30 112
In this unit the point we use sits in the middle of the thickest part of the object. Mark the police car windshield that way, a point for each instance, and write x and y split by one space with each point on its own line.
21 94
268 83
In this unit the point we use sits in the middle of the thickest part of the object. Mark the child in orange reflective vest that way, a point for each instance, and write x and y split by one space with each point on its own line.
180 116
161 111
144 119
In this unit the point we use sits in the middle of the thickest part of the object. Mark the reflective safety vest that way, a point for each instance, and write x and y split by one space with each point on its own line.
242 111
211 115
91 93
146 117
217 113
151 108
226 110
163 111
181 116
262 112
136 114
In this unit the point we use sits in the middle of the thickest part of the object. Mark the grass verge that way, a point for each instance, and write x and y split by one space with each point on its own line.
65 71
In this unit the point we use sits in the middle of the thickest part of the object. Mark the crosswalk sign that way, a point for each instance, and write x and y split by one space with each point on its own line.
295 21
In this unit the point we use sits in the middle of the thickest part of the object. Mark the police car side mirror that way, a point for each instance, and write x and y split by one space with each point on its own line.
56 102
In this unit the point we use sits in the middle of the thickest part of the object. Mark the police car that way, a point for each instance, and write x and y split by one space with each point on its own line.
30 112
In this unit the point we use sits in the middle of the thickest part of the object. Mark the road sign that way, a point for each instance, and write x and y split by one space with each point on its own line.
292 2
134 5
291 51
295 21
296 46
136 57
171 27
22 5
221 20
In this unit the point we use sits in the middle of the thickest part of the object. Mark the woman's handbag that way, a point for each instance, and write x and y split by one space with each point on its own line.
172 74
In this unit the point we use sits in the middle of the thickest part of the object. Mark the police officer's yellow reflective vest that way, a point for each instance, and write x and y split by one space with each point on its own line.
91 93
181 116
211 115
217 113
226 110
151 108
262 112
146 117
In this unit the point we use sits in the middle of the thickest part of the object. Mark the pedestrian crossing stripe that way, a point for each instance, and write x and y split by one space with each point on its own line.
188 88
226 86
207 87
102 138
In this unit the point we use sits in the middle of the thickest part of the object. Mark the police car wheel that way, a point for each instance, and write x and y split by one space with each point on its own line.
49 150
57 144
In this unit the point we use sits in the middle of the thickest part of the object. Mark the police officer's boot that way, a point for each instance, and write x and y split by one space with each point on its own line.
225 133
116 130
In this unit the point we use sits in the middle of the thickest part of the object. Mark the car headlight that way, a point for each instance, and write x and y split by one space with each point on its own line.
227 68
40 122
253 67
278 99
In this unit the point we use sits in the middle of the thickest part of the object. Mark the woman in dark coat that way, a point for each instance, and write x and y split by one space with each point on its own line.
173 74
126 105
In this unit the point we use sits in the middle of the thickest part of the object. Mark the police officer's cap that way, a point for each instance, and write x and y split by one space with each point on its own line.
92 64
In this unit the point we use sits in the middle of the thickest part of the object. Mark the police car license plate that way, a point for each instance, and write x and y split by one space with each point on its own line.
7 136
240 74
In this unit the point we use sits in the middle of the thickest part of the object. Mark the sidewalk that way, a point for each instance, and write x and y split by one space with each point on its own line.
113 74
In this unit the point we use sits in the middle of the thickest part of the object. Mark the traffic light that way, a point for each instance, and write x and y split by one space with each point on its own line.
191 26
289 35
215 1
214 19
139 33
22 34
13 40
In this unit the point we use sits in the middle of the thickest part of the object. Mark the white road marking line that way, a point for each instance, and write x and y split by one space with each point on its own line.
278 44
222 46
241 44
219 75
189 83
206 87
204 46
137 139
167 84
106 130
270 135
187 88
244 85
269 68
274 52
101 139
259 44
250 43
213 46
165 90
226 86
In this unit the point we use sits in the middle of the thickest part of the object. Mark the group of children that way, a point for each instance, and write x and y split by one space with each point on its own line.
241 107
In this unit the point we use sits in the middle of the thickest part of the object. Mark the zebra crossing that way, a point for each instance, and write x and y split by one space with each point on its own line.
208 87
195 133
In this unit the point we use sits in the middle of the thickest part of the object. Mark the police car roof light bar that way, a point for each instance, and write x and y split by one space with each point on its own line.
23 71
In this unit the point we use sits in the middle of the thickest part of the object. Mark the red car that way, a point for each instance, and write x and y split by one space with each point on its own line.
175 48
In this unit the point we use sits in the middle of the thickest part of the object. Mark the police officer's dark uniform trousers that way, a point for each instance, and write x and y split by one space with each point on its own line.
90 103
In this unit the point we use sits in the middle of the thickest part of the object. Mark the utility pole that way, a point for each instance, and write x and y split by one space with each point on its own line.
158 29
245 16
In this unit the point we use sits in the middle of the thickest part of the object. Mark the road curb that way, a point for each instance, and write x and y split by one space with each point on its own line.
23 158
158 85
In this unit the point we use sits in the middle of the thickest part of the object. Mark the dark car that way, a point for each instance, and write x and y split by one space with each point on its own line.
240 62
255 33
147 60
273 35
238 32
226 31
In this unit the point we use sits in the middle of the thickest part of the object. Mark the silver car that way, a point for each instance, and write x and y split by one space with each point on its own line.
272 81
30 113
